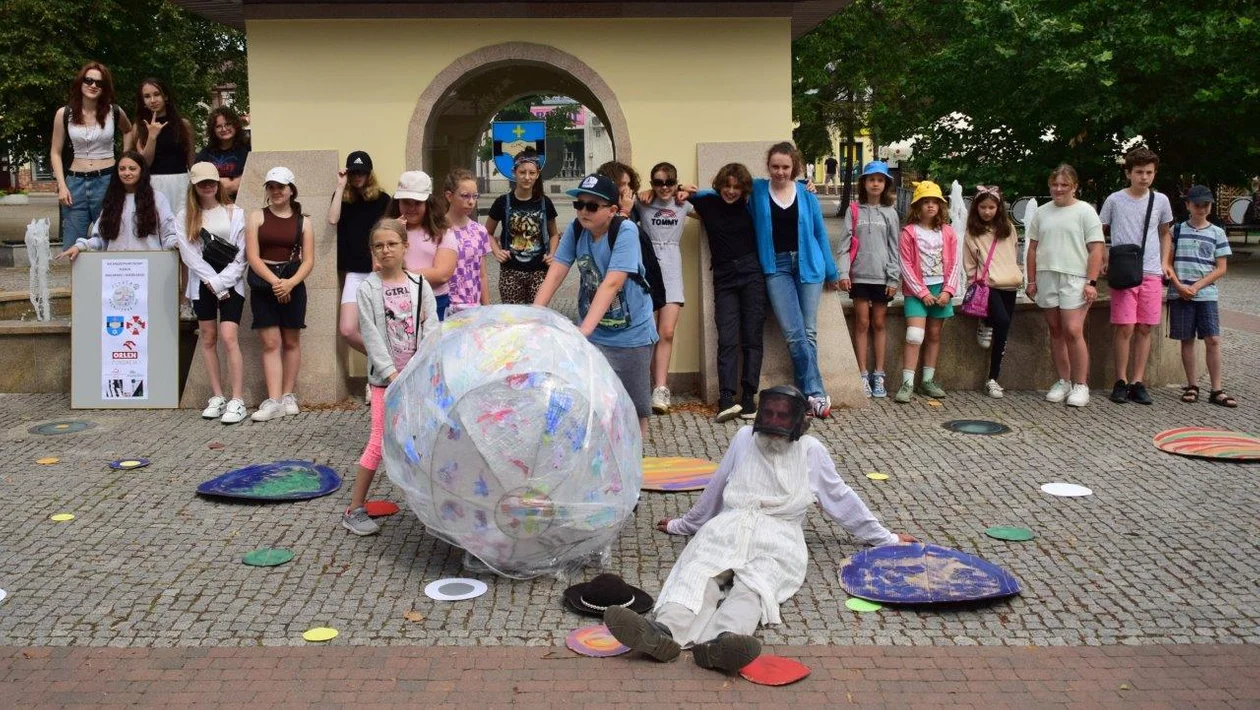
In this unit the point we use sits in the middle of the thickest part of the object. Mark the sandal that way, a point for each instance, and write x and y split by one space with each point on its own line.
1190 394
1220 399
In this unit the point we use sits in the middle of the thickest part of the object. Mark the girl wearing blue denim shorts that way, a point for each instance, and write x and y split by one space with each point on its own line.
930 277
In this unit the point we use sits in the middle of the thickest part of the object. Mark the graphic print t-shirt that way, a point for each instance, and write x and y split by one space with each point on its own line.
474 244
230 162
524 230
662 221
400 321
628 321
931 255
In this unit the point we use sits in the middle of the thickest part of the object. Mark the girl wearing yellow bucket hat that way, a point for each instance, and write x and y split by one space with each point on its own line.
930 278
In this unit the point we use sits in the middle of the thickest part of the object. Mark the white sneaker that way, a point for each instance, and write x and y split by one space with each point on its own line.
994 389
268 410
214 408
1079 396
820 407
984 336
290 404
235 412
660 400
1059 391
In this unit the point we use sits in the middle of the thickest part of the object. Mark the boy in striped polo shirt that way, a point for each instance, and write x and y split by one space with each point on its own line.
1198 260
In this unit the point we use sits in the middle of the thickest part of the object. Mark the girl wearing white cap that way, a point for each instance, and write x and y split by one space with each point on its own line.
432 250
280 249
212 245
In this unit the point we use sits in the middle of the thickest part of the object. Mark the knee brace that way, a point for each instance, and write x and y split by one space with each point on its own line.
914 335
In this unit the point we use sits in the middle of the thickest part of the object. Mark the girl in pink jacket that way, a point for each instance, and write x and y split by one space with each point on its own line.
930 277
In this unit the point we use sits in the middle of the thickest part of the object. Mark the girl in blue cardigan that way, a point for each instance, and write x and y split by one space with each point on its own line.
796 259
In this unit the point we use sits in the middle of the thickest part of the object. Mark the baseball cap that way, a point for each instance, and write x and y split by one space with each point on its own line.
359 162
1199 195
281 175
414 185
596 185
203 172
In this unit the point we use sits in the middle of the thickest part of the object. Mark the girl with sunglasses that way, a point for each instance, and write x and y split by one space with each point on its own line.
661 217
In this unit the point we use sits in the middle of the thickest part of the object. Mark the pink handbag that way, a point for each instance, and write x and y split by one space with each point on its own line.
975 302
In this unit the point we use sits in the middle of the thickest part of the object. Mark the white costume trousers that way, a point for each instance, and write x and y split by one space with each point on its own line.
728 605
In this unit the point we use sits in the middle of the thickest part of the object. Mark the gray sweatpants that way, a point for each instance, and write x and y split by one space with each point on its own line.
728 605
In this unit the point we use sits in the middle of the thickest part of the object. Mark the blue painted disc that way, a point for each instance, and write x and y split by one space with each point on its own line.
276 481
924 574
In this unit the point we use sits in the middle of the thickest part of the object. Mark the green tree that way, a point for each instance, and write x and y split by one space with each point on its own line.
44 44
1001 92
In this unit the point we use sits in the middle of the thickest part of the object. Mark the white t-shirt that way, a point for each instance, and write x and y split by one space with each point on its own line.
931 243
1125 213
1062 235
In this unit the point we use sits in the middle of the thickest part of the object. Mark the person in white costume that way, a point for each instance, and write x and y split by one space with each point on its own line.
748 555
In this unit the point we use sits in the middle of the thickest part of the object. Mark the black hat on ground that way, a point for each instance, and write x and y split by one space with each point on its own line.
358 162
594 597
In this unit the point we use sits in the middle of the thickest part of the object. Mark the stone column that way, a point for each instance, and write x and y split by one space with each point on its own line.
836 361
322 379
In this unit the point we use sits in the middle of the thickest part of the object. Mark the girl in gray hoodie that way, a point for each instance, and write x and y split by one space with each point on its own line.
397 310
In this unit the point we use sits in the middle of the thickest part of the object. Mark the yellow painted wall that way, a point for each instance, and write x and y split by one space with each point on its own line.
353 85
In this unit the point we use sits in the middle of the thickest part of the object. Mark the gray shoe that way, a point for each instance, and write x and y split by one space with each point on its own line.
728 652
641 634
358 522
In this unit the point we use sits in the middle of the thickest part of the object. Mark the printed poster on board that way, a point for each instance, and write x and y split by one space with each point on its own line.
125 331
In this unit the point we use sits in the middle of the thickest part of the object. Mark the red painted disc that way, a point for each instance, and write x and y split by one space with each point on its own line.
774 670
380 508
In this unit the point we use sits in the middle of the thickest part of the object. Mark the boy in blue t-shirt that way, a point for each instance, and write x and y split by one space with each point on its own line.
1198 260
614 309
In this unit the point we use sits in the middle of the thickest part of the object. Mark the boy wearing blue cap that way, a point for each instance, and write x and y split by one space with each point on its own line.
614 314
1199 249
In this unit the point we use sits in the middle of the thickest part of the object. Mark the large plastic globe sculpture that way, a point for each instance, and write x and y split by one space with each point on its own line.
513 439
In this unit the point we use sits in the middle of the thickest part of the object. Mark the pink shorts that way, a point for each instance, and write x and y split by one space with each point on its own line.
371 458
1140 304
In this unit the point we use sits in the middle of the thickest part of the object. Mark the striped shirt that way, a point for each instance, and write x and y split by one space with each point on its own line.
1195 256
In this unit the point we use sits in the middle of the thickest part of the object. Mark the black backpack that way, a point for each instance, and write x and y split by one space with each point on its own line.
650 278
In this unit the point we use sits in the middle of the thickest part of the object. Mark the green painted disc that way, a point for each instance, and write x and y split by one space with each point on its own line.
855 604
268 557
1005 532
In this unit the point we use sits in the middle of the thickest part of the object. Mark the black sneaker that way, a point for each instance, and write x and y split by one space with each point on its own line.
727 409
1138 393
1120 392
728 653
748 405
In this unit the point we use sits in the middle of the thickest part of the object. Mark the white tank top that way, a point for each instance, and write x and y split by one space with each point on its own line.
93 141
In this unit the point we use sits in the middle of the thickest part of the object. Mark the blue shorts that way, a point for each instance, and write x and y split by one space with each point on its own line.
916 308
1188 319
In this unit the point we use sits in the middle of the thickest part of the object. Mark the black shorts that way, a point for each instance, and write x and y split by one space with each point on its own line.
270 313
875 293
209 307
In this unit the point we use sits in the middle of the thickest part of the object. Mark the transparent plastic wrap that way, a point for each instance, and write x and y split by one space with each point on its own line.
513 439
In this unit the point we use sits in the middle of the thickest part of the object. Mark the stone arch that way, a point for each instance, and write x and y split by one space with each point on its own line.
583 84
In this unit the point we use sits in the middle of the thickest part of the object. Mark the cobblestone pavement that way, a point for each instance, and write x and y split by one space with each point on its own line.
1164 551
852 677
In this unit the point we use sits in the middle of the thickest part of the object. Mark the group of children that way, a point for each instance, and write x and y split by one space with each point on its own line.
1065 259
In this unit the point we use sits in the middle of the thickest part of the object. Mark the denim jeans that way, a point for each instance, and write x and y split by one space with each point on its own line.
795 306
87 194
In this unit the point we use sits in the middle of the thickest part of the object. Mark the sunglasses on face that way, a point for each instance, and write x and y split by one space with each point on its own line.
89 81
581 205
663 183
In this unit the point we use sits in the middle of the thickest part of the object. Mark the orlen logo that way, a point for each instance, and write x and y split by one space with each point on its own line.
124 355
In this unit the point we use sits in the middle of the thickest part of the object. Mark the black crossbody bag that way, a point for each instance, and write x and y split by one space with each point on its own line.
1124 262
284 270
216 252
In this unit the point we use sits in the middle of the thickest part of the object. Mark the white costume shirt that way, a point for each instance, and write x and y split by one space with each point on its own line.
749 520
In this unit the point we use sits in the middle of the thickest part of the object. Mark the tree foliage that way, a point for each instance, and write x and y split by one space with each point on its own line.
1001 92
44 43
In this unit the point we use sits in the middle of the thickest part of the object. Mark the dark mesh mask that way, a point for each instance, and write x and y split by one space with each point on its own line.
781 412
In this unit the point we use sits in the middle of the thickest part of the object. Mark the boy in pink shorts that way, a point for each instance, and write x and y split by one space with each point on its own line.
1135 310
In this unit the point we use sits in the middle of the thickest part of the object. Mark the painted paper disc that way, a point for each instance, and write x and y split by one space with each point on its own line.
47 461
128 464
774 670
267 557
595 641
61 517
1010 533
1066 490
877 476
320 633
856 604
278 480
380 508
675 473
917 573
455 589
1209 444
